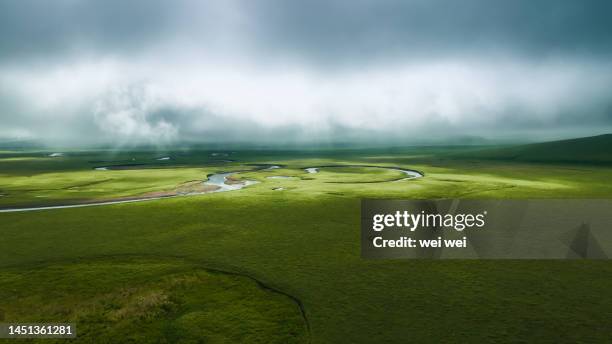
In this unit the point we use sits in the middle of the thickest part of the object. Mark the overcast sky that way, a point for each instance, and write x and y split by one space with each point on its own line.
88 72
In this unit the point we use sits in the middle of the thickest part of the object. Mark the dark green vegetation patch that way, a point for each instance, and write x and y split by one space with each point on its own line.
150 301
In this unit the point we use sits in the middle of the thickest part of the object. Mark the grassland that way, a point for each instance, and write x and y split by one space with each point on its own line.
244 265
150 300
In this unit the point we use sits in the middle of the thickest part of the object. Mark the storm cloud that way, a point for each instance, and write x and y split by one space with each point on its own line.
87 72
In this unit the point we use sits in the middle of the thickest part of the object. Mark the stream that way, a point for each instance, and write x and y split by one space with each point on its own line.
215 179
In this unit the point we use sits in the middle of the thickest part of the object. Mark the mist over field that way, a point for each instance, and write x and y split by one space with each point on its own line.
159 72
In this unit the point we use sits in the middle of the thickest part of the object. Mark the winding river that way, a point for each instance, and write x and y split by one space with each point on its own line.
216 179
219 180
411 174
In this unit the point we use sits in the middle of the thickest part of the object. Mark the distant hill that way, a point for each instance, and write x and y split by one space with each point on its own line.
20 144
592 150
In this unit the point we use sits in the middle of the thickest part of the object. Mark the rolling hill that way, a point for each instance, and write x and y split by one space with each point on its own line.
589 150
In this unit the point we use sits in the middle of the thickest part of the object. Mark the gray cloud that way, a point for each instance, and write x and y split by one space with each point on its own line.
323 29
306 71
358 30
39 29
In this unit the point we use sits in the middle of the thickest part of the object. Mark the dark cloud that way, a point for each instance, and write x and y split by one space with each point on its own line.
416 28
326 30
39 29
277 70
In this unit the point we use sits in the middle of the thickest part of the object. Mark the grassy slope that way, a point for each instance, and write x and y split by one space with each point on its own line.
305 241
591 150
149 300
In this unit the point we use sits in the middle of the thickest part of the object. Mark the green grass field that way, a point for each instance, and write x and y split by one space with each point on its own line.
259 265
